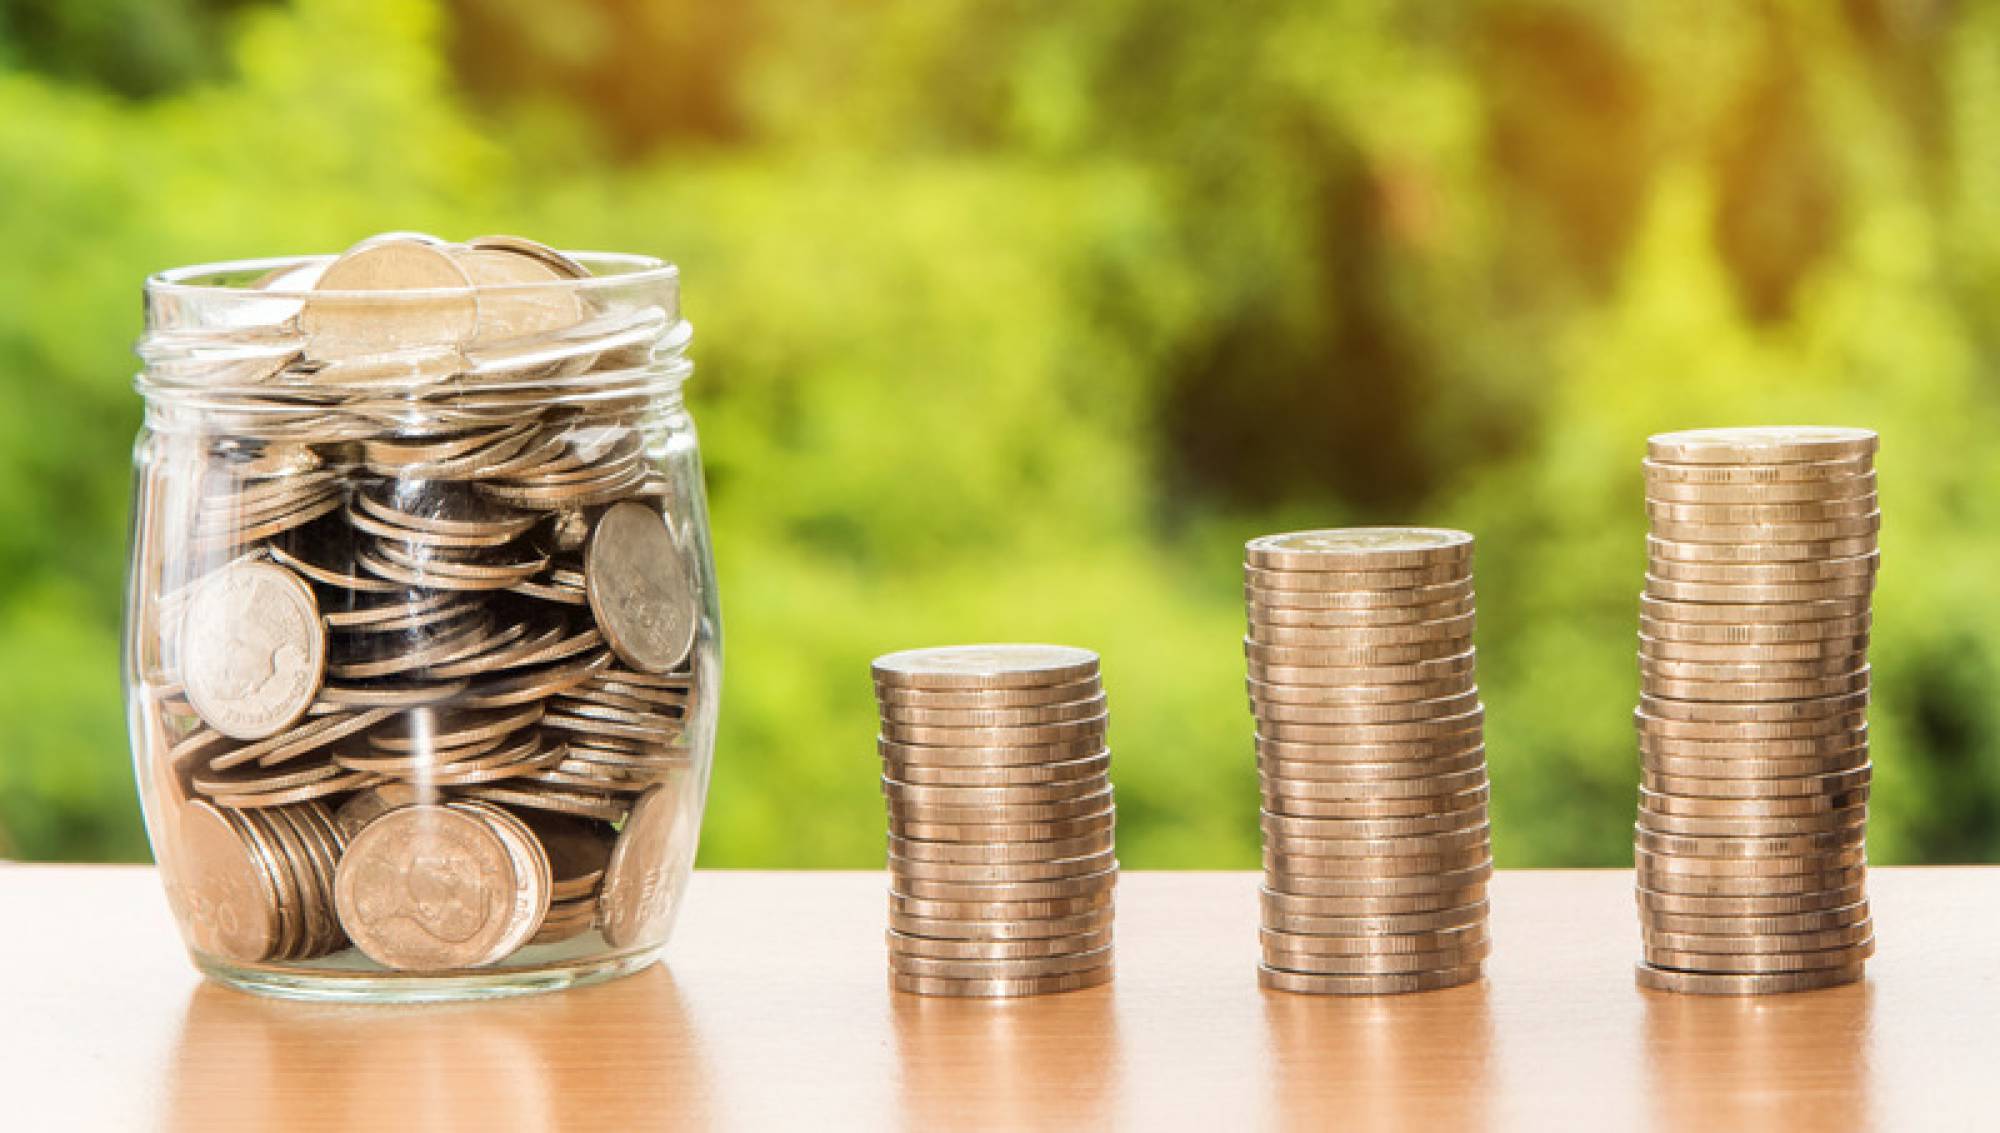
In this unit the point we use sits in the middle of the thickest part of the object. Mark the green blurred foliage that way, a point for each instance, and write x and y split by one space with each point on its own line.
1015 317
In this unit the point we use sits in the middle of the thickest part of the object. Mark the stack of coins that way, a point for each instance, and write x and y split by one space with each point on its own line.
417 613
1371 753
997 776
1753 733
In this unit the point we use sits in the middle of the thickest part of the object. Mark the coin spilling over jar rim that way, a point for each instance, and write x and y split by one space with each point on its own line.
425 650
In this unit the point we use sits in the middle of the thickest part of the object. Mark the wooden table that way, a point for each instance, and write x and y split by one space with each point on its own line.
772 1013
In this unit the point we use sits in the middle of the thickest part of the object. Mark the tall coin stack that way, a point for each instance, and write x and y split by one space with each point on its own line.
997 776
1753 727
1371 753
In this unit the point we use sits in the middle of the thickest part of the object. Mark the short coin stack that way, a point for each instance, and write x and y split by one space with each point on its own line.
1370 748
1753 732
1001 864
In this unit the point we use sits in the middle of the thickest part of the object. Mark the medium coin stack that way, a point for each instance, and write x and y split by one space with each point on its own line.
1371 754
1753 728
1001 863
417 628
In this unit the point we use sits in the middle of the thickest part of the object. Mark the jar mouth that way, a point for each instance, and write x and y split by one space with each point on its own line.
221 281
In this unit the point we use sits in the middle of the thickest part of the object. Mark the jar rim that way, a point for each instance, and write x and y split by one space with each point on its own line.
206 282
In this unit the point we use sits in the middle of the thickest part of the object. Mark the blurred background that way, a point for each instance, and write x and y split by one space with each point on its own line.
1014 318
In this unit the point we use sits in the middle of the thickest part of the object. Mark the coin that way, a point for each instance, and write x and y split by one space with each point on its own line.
1067 731
996 717
1455 627
1065 771
1758 944
1007 928
1265 692
1014 841
985 666
1343 926
1359 548
1000 988
1017 968
1748 963
1278 979
1666 488
1788 444
1769 904
1085 689
223 893
1362 618
1751 848
1035 869
1443 592
1823 920
1796 472
640 588
934 948
1808 570
253 650
1763 983
1759 551
349 315
1373 944
1312 888
1372 808
429 887
990 756
1384 579
638 882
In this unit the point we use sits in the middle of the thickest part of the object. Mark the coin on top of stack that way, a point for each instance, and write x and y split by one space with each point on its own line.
1372 760
1752 718
1001 863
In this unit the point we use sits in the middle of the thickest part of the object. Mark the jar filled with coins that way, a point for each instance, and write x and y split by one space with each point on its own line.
422 648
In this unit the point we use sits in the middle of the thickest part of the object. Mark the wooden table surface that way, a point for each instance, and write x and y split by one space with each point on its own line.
772 1012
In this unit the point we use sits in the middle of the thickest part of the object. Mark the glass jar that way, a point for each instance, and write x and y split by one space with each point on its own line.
422 641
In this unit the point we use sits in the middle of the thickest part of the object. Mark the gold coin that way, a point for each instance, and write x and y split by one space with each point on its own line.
1022 795
1276 979
1373 617
1361 655
1373 808
1341 919
1777 865
1068 731
1751 672
1776 885
1068 771
1744 787
1457 627
1394 963
1433 787
1026 909
1413 672
1005 929
1385 751
1759 552
907 945
1373 944
1061 829
1359 548
1465 837
1781 924
1001 988
960 667
1750 767
1351 772
1267 692
1697 531
1788 444
1760 514
1362 829
1287 732
1739 848
640 588
1659 803
1411 904
1765 574
1037 696
1751 613
991 755
905 964
1743 944
1769 904
1779 826
1669 490
1258 597
1747 963
996 717
1843 468
1398 578
1829 746
995 853
1763 983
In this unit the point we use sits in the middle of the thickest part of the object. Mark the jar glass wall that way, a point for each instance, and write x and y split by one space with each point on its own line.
423 648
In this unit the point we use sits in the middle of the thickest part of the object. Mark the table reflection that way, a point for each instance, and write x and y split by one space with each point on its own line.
1419 1061
1045 1061
1711 1060
620 1055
